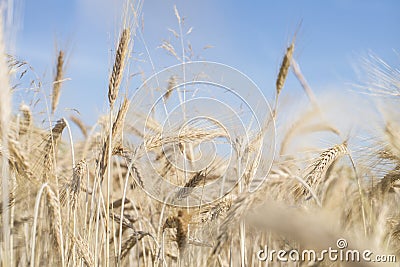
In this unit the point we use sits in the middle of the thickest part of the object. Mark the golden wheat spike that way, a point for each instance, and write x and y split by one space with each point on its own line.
119 65
131 242
283 71
115 135
54 216
57 81
72 189
315 173
179 223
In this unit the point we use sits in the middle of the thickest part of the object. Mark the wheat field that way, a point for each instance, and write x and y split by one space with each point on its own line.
68 201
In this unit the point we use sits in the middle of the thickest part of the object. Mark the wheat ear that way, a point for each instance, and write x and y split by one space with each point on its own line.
180 224
315 173
26 121
57 81
119 65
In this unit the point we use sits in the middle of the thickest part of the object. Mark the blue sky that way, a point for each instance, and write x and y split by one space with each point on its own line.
249 35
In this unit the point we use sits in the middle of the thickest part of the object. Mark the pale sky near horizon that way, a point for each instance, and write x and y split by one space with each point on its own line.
249 35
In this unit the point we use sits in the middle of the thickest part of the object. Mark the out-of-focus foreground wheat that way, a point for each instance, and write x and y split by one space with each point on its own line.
66 202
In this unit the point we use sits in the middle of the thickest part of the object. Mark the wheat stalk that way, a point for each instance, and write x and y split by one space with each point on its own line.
5 112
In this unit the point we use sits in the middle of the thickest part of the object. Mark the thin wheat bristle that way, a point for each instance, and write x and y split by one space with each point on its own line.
119 65
57 81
